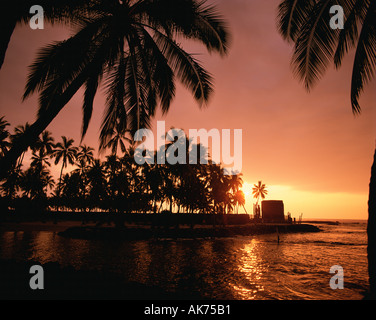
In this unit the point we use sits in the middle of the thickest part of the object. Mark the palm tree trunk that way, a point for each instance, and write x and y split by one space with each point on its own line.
371 230
61 174
20 160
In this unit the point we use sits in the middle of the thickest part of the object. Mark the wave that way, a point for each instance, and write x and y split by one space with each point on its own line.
307 242
339 243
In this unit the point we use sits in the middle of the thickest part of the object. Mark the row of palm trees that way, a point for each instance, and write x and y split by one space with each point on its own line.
117 183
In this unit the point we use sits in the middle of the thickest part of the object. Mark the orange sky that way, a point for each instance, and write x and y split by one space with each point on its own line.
307 147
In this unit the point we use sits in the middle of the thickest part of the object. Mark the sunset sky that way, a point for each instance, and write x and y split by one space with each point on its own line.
308 148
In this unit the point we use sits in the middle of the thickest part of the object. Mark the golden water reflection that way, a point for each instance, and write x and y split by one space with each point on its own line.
251 268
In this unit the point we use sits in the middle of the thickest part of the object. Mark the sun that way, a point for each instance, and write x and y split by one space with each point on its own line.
247 189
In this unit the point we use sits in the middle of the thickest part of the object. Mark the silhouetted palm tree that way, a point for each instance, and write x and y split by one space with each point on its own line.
69 190
154 177
218 187
239 200
66 153
306 23
116 138
11 183
98 184
34 182
45 143
4 134
18 132
236 182
259 191
133 45
39 160
85 154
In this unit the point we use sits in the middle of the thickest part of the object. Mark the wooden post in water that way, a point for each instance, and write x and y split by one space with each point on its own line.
277 235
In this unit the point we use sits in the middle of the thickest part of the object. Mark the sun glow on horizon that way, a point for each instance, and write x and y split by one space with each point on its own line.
312 204
247 190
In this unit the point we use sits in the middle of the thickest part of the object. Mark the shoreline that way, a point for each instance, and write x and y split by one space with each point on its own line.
124 234
76 230
90 231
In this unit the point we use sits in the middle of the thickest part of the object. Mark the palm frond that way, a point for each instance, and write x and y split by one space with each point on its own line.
292 15
187 68
162 75
315 45
210 28
64 58
193 19
348 36
365 57
115 105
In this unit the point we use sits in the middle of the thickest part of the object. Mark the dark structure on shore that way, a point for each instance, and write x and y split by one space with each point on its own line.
273 211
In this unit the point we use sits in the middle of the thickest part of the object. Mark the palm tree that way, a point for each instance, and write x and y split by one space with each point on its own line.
4 134
39 160
84 158
154 178
18 132
10 185
34 182
116 138
239 199
132 44
85 154
259 191
69 190
66 153
218 186
236 182
98 183
45 143
306 24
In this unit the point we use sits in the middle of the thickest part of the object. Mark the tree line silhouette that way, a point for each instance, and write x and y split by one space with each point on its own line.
116 183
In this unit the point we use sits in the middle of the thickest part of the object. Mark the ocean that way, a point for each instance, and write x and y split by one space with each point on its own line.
239 268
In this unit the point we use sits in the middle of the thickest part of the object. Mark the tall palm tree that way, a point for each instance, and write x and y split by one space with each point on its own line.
39 160
306 24
66 153
239 199
259 191
117 138
45 143
35 182
132 46
4 134
85 154
218 186
19 131
98 184
10 185
236 182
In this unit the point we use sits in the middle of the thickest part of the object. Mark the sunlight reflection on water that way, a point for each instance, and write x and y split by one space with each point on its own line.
251 266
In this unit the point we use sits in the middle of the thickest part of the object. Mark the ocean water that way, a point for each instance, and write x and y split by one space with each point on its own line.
241 268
